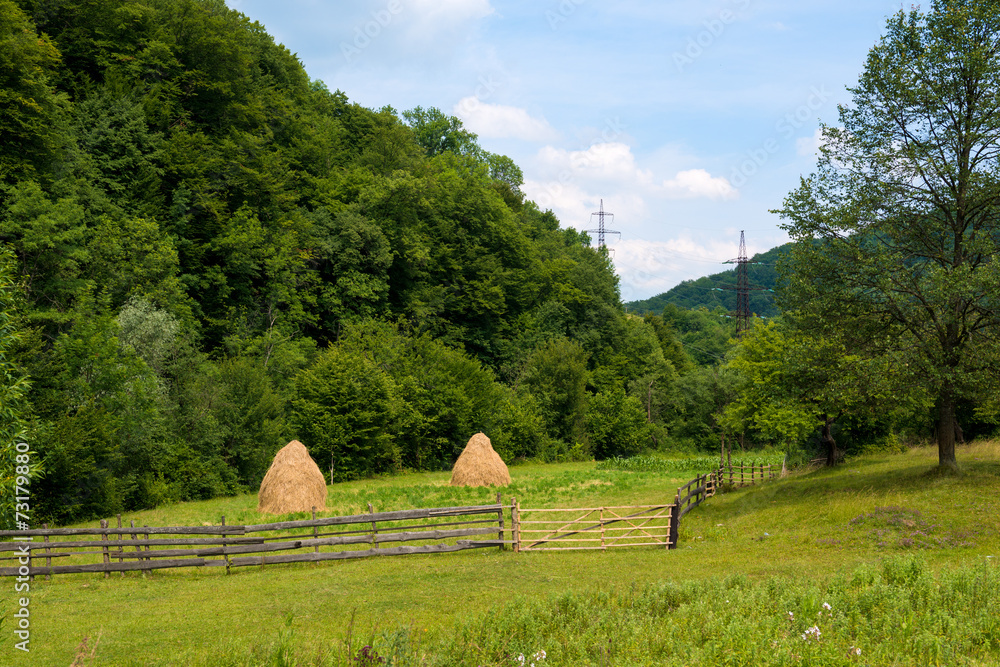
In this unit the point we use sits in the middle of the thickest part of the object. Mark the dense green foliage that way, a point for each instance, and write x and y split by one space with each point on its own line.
218 254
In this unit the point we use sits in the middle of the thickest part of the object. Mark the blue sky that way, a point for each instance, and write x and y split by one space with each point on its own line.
689 119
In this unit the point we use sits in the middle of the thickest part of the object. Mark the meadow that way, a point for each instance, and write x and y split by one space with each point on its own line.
881 561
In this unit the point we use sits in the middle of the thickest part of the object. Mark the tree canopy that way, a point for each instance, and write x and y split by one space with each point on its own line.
897 230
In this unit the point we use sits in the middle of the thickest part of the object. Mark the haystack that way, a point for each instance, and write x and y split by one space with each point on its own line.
479 465
293 483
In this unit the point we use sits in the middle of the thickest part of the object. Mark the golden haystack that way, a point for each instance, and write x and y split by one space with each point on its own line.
293 483
479 465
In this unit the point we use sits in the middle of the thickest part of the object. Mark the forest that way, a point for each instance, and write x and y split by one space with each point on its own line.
206 254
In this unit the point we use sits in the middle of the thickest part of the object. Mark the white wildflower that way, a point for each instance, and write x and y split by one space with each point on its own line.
812 632
826 605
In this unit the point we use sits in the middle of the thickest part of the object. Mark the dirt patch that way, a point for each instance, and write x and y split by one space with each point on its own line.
904 528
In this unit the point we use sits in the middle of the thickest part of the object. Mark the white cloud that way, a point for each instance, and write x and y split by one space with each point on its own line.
698 183
499 121
603 161
809 146
648 268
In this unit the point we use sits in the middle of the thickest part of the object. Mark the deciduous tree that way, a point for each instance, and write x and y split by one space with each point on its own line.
898 229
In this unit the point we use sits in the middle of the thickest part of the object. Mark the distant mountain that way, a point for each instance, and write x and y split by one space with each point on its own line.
719 289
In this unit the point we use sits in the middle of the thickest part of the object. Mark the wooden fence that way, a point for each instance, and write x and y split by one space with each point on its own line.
742 475
639 525
594 528
704 487
134 548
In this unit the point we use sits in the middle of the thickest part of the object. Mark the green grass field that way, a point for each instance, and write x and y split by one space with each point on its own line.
899 552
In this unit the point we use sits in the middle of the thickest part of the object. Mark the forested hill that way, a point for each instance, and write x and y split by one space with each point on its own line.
215 254
718 289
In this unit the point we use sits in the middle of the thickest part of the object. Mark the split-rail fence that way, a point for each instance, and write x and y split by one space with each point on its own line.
135 548
436 530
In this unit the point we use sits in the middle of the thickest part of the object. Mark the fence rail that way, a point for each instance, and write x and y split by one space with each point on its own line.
738 475
236 546
594 528
146 548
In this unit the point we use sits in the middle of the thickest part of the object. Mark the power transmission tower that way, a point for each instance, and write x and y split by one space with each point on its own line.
742 288
601 229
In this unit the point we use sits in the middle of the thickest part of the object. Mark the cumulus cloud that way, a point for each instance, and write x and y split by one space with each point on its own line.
499 121
653 267
604 161
809 146
698 183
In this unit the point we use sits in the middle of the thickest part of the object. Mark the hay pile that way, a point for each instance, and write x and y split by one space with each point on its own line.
293 483
479 465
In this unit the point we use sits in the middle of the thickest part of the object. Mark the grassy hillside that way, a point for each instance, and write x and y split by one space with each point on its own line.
718 289
876 526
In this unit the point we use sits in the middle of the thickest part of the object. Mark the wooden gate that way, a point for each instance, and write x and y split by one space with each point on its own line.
594 527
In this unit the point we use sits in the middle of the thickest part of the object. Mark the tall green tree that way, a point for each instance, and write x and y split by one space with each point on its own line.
29 105
14 405
788 384
897 231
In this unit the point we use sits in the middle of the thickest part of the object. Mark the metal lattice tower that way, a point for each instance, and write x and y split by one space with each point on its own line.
601 228
742 289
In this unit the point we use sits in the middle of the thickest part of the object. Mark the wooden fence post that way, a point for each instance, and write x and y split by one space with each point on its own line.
315 532
515 521
500 514
131 524
675 522
48 561
104 549
374 527
225 555
146 526
600 515
120 551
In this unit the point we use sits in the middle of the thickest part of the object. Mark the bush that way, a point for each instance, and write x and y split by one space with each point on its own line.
617 425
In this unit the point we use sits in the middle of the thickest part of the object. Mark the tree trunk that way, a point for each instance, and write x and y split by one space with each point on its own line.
946 431
829 442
